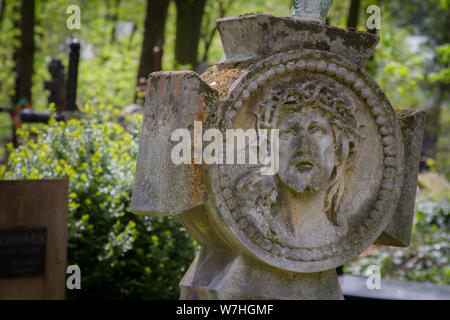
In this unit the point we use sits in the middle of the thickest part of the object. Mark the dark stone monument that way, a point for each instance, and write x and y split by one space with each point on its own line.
33 239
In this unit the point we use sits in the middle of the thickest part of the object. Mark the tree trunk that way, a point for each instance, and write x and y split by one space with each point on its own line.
2 11
16 50
353 14
189 22
25 55
208 35
114 19
2 14
155 21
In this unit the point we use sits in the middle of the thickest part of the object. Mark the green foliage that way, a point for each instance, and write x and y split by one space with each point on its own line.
400 72
426 259
443 154
428 17
443 75
121 255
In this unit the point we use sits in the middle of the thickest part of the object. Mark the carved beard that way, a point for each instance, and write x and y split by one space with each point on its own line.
311 180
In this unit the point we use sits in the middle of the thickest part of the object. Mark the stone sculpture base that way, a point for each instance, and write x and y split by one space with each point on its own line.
220 274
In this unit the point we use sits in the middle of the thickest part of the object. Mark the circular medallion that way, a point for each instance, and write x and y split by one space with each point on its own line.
340 163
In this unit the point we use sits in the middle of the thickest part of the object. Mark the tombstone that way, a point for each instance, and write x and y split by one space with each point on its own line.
72 76
33 239
348 162
62 93
56 84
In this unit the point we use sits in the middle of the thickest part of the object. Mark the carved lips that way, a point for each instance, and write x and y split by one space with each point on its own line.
304 165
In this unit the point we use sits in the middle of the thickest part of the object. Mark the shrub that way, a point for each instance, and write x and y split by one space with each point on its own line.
121 255
426 259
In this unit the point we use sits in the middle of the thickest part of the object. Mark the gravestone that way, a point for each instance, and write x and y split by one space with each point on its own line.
56 84
348 162
33 239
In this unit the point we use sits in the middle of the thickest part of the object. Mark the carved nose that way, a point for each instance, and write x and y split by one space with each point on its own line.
303 138
303 152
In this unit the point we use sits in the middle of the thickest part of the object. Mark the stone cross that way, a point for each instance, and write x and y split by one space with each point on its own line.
56 84
348 163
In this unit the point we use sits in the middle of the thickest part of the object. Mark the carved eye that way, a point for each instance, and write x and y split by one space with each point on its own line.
316 130
287 133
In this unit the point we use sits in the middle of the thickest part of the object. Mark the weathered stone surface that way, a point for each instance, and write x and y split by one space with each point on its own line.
174 100
398 231
258 35
35 204
342 161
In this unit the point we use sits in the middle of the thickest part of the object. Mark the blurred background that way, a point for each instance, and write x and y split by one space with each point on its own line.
122 42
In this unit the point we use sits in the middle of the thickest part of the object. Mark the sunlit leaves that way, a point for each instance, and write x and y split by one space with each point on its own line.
120 253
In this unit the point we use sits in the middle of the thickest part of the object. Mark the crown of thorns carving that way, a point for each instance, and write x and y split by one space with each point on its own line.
339 109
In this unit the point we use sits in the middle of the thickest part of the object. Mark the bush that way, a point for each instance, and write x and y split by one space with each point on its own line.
121 255
426 259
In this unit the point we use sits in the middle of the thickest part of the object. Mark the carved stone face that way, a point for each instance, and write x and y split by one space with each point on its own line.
307 157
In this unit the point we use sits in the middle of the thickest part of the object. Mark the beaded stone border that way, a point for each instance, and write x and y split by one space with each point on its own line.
353 82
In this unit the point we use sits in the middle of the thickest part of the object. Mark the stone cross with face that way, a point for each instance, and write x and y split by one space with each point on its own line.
348 162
